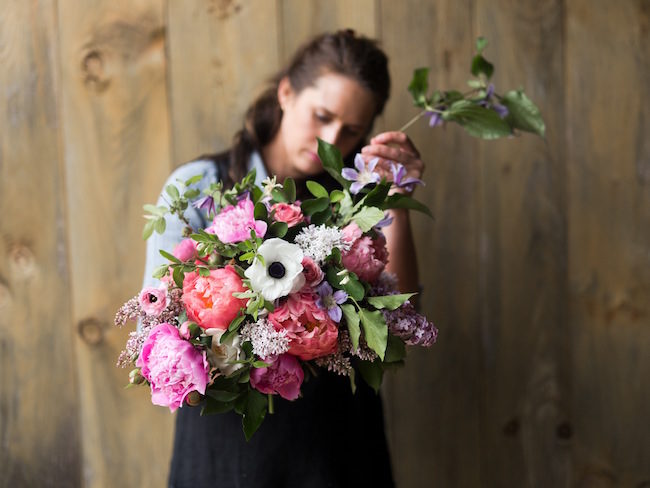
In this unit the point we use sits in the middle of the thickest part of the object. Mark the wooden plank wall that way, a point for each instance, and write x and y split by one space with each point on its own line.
536 267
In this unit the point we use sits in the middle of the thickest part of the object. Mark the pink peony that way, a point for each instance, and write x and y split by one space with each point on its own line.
173 367
311 331
154 300
367 257
313 274
186 250
209 301
234 223
284 376
288 212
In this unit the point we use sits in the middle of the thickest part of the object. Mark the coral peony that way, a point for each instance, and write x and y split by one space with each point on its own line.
284 376
290 213
209 301
234 223
173 366
311 331
367 257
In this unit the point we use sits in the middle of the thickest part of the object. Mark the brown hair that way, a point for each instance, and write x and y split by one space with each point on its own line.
342 52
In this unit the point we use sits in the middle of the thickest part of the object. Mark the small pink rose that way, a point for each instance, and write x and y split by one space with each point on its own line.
186 250
234 223
288 212
154 300
313 274
284 376
209 300
173 366
366 257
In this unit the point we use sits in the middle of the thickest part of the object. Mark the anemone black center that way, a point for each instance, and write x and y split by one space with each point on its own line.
276 270
153 298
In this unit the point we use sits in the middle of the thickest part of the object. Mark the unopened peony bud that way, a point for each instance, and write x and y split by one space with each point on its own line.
215 259
193 398
135 378
187 231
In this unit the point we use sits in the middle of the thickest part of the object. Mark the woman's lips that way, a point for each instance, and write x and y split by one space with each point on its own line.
314 157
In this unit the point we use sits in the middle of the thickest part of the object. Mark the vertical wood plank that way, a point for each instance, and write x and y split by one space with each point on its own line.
524 253
114 105
302 20
609 238
433 404
220 55
39 414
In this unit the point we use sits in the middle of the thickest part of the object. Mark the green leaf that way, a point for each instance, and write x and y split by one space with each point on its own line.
289 187
254 412
172 191
160 225
221 395
355 289
260 213
419 86
395 350
399 200
178 276
317 189
377 195
147 230
213 406
477 121
367 217
372 373
375 331
278 195
481 44
523 114
203 271
278 229
332 161
154 210
321 217
160 271
310 207
235 323
482 65
193 179
336 196
192 193
260 364
391 302
352 320
169 256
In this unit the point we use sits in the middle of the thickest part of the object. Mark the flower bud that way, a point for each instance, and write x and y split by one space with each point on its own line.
187 231
135 378
193 398
215 259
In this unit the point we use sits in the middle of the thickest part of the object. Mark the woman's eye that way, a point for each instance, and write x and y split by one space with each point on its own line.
321 117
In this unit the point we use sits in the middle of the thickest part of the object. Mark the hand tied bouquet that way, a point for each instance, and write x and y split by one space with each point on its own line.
276 289
272 291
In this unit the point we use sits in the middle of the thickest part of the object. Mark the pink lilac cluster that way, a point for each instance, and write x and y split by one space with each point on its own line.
413 328
339 362
133 347
366 257
173 366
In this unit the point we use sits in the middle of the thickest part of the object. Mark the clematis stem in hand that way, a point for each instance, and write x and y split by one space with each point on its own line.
414 120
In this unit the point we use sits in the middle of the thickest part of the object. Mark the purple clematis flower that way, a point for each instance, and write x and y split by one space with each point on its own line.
330 300
399 172
363 175
206 203
435 118
385 222
488 103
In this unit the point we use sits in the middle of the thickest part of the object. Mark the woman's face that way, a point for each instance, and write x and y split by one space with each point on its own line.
337 109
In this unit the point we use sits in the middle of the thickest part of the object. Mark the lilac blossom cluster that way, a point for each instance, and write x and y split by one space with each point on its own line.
266 341
339 362
413 328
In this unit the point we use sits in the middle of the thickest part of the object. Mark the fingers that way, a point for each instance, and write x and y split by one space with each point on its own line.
396 138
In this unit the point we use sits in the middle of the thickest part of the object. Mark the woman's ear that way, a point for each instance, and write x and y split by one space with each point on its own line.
285 92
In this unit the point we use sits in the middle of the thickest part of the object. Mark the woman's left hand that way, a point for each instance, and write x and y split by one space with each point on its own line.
395 147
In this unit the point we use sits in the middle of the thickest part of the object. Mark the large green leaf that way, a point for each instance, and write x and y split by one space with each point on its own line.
372 373
368 217
419 86
523 114
254 412
399 200
478 121
375 330
352 319
395 350
391 302
332 161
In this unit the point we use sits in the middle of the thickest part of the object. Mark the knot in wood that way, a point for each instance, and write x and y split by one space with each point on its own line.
511 428
94 75
564 431
21 261
91 331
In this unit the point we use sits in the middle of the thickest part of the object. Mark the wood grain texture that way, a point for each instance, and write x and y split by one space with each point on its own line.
524 253
609 239
116 150
301 20
39 414
433 404
220 53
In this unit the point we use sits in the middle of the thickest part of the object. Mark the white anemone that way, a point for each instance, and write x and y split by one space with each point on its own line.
281 272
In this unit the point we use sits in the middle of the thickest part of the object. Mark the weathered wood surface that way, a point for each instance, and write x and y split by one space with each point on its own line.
116 149
536 267
608 162
526 429
39 411
220 54
440 384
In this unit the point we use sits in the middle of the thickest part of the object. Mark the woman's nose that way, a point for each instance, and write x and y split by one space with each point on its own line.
331 134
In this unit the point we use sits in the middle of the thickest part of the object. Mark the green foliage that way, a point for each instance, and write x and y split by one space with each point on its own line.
317 189
372 373
395 350
419 87
390 302
332 161
375 330
254 412
352 321
523 114
368 217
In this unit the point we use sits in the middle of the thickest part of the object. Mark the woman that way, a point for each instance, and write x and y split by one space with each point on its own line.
333 89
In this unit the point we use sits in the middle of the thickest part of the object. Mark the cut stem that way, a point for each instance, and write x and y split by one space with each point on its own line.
271 409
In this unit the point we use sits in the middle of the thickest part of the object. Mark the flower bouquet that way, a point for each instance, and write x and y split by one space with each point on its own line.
276 289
